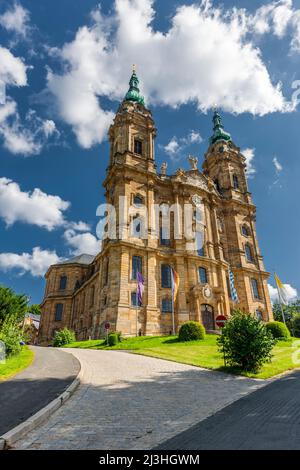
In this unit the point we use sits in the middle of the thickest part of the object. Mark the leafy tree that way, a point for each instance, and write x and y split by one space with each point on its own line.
12 305
34 309
290 311
245 342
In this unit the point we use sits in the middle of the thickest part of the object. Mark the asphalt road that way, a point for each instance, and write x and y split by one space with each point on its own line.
22 396
268 419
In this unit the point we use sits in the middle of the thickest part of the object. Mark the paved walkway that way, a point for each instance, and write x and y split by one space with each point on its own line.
128 401
268 419
27 392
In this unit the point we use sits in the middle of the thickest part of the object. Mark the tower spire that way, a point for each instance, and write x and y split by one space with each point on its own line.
133 93
218 130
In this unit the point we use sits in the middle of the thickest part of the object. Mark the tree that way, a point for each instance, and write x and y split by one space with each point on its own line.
245 342
290 311
12 305
34 309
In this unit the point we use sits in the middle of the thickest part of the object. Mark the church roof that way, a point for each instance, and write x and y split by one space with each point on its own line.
80 259
133 93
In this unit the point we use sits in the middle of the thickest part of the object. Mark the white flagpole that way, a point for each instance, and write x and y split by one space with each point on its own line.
136 310
173 315
281 306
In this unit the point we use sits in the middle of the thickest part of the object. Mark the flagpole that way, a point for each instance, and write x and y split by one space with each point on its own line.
136 310
173 315
280 303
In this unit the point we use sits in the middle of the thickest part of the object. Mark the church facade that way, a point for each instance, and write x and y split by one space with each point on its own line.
86 292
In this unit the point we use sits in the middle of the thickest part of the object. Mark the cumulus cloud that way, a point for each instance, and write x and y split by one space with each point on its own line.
194 61
292 293
31 207
82 243
35 263
25 137
249 154
16 19
177 145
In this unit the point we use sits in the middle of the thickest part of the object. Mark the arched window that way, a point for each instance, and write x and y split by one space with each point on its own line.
200 243
138 200
136 266
203 275
164 236
63 282
235 182
59 312
245 230
248 253
166 305
217 184
135 302
166 281
255 290
138 147
259 315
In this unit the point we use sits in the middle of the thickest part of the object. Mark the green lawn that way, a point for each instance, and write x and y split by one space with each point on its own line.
198 353
15 364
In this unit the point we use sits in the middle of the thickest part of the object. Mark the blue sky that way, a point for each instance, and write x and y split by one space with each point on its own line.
65 67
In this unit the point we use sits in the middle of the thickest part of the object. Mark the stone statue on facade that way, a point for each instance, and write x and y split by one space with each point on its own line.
163 168
193 161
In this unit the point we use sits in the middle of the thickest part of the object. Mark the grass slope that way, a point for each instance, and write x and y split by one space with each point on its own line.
197 353
15 364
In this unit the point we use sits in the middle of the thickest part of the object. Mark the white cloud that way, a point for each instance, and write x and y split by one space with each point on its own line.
82 243
249 154
12 69
277 165
32 207
177 145
28 137
16 19
292 293
35 263
172 147
194 61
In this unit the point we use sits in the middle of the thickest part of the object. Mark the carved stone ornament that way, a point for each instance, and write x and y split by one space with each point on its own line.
197 200
207 292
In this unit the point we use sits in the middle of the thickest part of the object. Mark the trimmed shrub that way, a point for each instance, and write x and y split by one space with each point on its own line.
296 325
113 339
191 331
246 342
278 330
63 337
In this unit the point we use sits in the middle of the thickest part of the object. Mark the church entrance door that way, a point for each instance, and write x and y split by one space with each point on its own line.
207 315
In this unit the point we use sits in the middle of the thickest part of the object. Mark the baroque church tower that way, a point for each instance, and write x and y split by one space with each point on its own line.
86 292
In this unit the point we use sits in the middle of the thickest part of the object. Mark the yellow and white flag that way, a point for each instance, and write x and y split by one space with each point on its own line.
282 293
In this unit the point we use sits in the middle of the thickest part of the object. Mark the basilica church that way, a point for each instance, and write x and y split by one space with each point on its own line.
86 292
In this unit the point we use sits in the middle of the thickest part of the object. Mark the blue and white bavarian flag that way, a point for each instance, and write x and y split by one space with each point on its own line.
233 291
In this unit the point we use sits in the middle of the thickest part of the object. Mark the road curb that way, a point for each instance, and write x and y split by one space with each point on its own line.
10 437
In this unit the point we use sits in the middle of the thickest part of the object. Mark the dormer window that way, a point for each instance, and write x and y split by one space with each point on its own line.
138 147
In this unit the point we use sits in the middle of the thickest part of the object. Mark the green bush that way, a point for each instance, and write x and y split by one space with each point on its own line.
191 331
113 339
278 330
11 337
63 337
296 325
246 342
